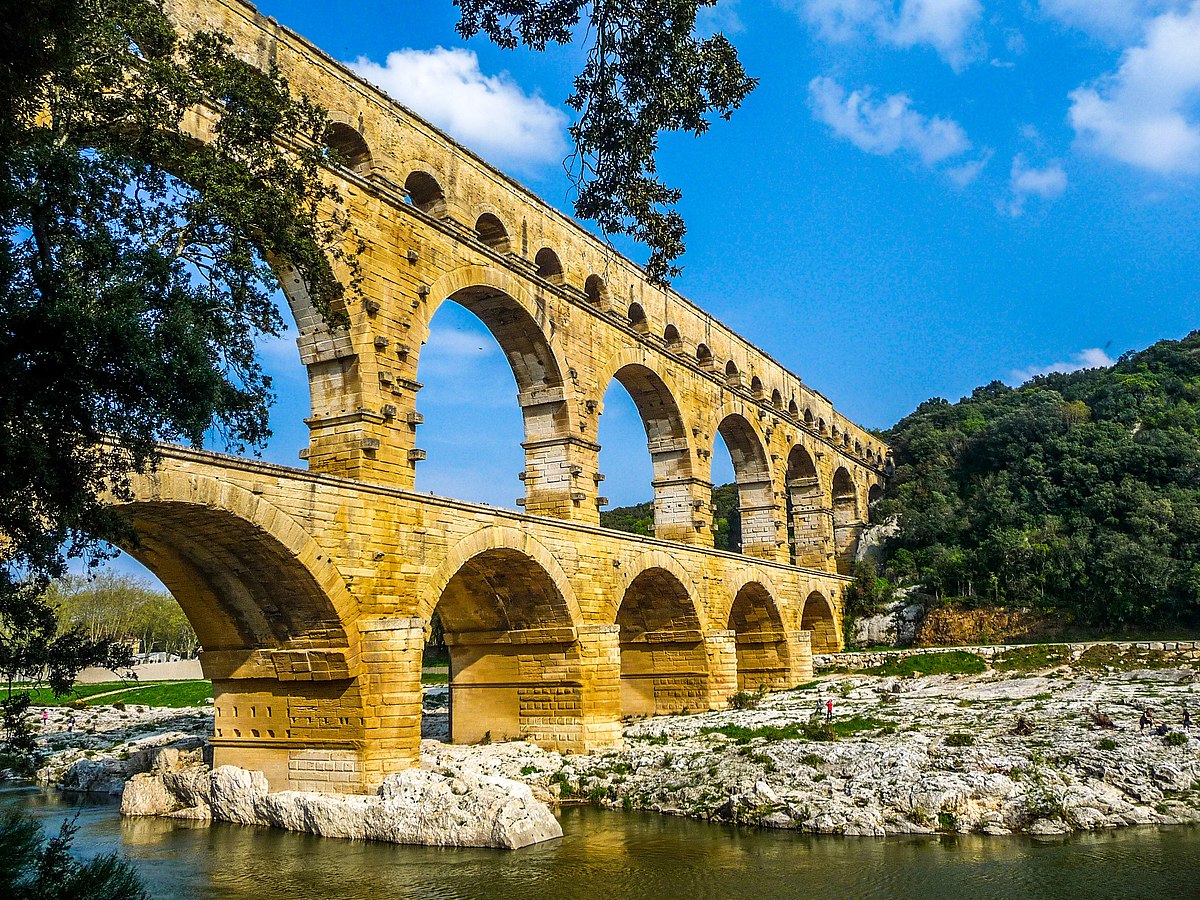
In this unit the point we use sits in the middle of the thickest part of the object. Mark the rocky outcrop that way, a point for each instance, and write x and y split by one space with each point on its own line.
418 806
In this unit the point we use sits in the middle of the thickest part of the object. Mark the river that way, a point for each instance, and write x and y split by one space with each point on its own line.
610 855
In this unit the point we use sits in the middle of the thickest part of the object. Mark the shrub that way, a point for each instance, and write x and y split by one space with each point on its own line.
743 700
1175 739
959 739
1107 744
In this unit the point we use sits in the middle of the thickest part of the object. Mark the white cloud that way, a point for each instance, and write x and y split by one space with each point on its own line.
887 125
948 26
1025 181
1110 20
489 113
1147 113
1091 358
723 17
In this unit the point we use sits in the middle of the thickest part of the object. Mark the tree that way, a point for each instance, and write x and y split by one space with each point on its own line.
133 281
646 72
34 868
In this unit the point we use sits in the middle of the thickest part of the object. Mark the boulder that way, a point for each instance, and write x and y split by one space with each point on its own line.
418 806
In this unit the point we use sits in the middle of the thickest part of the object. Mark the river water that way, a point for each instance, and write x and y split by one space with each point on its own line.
611 855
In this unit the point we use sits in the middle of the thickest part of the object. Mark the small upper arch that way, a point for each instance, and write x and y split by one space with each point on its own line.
637 318
704 356
596 291
549 266
491 231
671 337
425 193
733 378
349 147
756 387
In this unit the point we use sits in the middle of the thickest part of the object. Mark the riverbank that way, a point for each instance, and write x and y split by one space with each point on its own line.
1037 742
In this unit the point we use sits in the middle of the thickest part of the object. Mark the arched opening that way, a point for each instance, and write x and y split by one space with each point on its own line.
424 192
349 148
873 494
821 425
755 497
808 418
481 352
664 666
793 409
549 266
502 617
704 356
810 525
732 377
596 291
777 400
763 659
491 231
847 524
637 400
637 318
672 339
756 387
262 615
818 619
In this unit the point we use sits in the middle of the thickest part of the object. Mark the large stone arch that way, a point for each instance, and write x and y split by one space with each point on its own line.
506 306
511 624
760 638
809 513
668 438
820 618
666 657
755 483
847 518
278 628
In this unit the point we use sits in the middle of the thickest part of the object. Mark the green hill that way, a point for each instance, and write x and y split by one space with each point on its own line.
1076 494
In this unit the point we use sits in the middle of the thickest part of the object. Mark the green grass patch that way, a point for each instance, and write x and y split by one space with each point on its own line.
953 662
435 678
176 694
1105 656
45 697
1034 658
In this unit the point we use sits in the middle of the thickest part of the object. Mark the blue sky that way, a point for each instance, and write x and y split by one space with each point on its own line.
921 196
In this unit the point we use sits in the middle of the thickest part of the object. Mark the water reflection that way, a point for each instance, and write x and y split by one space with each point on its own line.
614 856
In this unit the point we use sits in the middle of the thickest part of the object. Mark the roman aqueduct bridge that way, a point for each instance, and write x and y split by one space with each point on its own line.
312 591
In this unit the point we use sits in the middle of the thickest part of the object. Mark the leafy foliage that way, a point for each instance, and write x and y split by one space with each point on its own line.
132 281
867 595
33 868
646 71
1077 494
117 608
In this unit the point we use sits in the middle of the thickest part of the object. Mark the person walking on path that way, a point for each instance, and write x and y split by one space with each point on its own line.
1187 719
829 710
45 719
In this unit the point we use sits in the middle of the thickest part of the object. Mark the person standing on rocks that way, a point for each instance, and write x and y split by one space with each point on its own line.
829 710
1187 719
1147 719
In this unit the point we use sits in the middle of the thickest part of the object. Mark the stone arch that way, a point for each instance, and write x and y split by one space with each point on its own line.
637 318
810 522
491 231
349 147
756 387
672 339
733 377
874 492
777 399
819 619
549 266
704 356
667 439
278 628
505 615
596 291
808 417
847 523
664 661
761 647
752 471
229 557
425 192
502 302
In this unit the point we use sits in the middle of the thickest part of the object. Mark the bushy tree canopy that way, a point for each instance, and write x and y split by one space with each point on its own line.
1075 492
